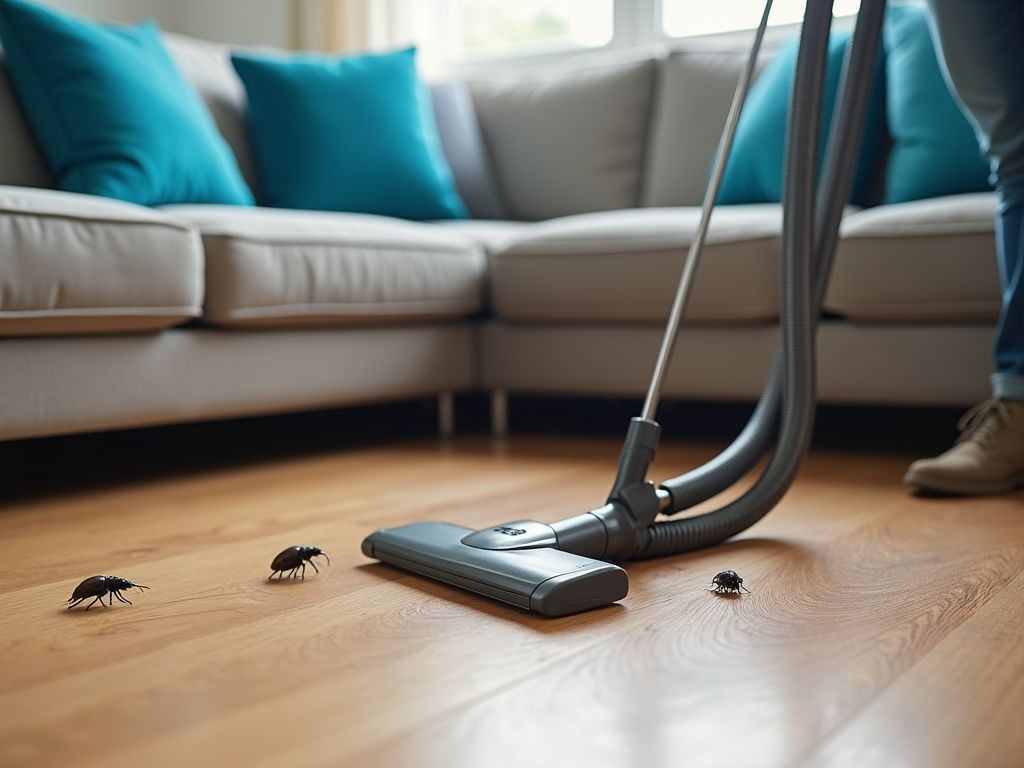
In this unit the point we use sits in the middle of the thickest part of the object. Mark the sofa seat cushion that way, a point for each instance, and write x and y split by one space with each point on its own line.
493 235
918 261
74 264
625 266
275 267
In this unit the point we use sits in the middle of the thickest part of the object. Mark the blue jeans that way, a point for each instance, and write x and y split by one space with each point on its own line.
982 48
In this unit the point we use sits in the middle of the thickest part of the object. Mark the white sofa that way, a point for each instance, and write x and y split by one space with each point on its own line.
584 180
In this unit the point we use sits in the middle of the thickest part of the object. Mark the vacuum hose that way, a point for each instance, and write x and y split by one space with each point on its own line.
784 415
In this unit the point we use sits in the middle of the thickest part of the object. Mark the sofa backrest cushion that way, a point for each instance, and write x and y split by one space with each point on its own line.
569 139
695 89
111 113
463 145
21 163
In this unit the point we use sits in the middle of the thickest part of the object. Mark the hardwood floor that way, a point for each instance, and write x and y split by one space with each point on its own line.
882 628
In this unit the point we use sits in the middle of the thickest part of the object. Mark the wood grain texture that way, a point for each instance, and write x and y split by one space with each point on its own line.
881 629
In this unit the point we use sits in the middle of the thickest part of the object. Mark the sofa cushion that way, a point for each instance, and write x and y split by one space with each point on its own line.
111 112
754 173
683 140
493 236
81 264
568 140
922 260
354 133
625 265
207 68
935 151
21 163
274 267
463 144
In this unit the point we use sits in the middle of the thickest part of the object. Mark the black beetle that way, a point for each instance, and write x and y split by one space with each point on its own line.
294 558
98 586
727 581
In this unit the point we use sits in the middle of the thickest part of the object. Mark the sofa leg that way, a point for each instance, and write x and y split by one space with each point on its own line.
446 415
499 414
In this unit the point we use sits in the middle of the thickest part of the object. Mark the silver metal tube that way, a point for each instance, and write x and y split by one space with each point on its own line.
697 246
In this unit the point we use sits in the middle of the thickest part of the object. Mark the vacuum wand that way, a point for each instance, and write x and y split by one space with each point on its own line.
682 297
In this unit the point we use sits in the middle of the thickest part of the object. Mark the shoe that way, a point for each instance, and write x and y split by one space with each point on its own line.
987 458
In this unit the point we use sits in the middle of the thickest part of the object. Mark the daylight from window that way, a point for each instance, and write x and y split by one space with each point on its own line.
498 27
701 17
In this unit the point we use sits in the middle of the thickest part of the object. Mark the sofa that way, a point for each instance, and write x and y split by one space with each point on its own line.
583 181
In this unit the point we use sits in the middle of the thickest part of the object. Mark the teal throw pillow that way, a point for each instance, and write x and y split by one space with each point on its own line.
755 168
352 134
112 114
935 151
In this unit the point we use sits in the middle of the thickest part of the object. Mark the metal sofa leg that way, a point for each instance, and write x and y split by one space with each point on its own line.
499 414
445 415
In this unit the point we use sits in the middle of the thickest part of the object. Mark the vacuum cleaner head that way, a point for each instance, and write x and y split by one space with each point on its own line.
539 578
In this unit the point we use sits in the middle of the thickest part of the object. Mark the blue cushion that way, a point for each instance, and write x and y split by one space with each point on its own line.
347 134
112 114
755 168
935 151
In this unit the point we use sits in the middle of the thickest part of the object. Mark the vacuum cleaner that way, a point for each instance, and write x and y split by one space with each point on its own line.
570 565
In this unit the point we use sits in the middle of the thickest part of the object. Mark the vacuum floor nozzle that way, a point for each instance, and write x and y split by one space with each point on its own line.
542 579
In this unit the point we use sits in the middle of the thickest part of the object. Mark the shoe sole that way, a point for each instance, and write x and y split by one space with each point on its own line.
955 488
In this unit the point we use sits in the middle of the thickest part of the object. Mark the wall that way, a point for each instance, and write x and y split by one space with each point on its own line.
243 22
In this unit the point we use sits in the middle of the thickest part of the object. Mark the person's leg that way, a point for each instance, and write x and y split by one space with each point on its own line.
981 46
1008 381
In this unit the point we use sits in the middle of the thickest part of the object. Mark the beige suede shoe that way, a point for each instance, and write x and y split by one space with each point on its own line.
988 457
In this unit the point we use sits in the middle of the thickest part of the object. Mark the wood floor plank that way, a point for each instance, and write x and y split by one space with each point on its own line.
752 680
968 689
872 615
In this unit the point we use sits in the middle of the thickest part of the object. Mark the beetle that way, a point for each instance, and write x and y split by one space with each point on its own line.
294 558
98 586
727 581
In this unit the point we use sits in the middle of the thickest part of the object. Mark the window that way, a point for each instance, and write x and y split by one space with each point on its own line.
680 18
493 28
453 34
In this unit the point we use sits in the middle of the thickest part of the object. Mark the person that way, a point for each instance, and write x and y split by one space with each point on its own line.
981 47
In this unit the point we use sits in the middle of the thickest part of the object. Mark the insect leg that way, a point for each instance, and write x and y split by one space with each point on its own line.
77 602
98 599
314 566
122 599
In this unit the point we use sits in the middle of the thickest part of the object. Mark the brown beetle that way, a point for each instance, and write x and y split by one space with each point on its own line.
98 586
294 558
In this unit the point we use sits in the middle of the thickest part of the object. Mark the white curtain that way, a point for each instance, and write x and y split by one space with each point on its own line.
355 25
